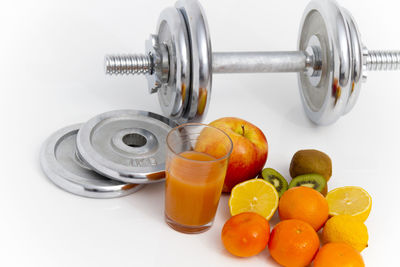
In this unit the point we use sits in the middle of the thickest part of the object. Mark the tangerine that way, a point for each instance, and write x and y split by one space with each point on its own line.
338 254
245 234
306 204
293 243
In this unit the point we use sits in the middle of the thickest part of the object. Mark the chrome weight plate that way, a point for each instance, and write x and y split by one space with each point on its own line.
357 62
62 166
201 60
126 145
172 33
326 102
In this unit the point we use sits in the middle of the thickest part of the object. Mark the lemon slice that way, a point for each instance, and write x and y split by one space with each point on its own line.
255 195
349 200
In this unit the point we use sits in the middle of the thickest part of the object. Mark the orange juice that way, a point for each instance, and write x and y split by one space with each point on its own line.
194 183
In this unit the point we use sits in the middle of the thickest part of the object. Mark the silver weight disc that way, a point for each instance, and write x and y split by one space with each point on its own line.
326 102
126 145
62 166
357 63
201 60
172 32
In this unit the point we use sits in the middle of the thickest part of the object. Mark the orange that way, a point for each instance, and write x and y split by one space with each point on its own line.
338 254
304 204
293 243
245 234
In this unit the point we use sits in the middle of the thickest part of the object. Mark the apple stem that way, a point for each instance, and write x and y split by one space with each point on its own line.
243 130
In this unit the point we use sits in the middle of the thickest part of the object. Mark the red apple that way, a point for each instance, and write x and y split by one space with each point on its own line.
249 154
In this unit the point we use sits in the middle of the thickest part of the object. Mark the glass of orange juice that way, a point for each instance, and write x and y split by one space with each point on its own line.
197 160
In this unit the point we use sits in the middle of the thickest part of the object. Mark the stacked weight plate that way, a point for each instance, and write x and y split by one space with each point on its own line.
113 154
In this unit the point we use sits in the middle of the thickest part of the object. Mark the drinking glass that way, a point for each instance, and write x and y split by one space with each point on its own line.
196 164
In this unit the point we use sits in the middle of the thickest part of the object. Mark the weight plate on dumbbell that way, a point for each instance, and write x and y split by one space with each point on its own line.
357 62
172 32
326 101
63 167
201 56
126 145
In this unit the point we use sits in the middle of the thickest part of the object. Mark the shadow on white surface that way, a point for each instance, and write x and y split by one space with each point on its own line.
148 202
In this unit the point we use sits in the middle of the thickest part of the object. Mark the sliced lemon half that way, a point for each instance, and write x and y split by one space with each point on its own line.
255 195
349 200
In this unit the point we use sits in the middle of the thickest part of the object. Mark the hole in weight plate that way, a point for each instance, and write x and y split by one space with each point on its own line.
134 140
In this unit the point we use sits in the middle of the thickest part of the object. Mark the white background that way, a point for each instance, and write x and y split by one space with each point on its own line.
51 76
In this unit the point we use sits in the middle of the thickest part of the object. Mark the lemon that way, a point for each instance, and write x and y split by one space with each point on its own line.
346 229
255 195
349 200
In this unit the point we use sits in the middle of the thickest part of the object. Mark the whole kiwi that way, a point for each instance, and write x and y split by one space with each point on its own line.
311 161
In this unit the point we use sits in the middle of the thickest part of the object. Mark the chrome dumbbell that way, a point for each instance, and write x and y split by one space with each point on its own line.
331 62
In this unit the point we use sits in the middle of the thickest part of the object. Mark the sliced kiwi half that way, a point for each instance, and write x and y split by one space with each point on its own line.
312 180
325 190
276 179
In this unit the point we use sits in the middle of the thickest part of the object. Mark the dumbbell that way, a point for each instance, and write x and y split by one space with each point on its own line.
331 62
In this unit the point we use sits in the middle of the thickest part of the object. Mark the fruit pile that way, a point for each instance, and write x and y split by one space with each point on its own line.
305 207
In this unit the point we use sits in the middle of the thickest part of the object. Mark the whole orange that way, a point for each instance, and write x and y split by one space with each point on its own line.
245 234
293 243
306 204
338 254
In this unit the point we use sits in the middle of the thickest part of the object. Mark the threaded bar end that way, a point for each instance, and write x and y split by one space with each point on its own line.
128 64
383 60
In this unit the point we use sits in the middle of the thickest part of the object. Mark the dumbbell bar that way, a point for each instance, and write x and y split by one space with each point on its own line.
331 62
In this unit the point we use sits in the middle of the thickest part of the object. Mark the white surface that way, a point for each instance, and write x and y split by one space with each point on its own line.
51 75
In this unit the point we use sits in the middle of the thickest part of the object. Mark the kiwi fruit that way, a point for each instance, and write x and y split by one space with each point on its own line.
276 179
311 161
325 190
312 180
